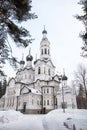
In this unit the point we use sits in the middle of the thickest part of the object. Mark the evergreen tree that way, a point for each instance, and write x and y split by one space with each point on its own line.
81 100
81 77
11 13
4 86
0 89
83 18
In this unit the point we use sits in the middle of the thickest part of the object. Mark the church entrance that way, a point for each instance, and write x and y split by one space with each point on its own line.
24 107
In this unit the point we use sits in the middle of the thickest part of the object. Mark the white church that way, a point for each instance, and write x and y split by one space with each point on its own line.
38 89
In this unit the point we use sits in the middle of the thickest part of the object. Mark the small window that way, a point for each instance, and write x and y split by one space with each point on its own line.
39 71
47 102
49 71
42 51
47 90
45 51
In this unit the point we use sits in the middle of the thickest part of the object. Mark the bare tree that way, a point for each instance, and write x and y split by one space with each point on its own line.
81 77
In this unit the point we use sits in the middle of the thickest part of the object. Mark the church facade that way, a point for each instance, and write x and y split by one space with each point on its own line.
37 89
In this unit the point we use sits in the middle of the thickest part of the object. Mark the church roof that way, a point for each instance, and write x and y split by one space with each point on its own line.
29 90
25 68
43 60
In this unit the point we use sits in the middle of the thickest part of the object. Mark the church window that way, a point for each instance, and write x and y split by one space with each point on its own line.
47 102
45 51
44 90
39 70
49 71
42 51
47 90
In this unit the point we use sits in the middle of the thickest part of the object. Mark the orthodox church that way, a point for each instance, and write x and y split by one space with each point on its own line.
38 89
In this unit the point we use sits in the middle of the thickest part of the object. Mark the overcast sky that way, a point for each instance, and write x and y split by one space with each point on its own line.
63 33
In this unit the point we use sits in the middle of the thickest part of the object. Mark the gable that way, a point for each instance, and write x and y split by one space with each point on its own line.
56 78
25 90
48 62
11 82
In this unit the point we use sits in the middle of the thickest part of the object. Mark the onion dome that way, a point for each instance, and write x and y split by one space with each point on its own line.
44 31
22 62
64 77
29 57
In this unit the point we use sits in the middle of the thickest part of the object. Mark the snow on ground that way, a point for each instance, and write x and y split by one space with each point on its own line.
54 120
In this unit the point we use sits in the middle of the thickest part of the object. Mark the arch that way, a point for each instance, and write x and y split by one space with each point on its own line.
47 102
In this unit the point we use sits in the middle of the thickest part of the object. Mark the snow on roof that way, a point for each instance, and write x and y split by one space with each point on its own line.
35 91
27 89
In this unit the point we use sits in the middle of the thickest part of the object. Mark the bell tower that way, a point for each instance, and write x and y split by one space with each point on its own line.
44 46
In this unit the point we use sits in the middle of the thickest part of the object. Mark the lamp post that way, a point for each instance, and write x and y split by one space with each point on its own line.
64 79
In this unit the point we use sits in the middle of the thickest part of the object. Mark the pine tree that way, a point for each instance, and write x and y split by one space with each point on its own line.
81 100
83 18
0 89
4 86
11 13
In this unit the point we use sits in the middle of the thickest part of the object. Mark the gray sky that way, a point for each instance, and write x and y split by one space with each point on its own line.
63 33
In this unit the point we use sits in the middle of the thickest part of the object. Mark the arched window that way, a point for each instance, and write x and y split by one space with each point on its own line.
45 51
42 51
47 102
47 90
48 71
39 70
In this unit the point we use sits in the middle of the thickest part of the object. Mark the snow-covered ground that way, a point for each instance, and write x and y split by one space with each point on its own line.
54 120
